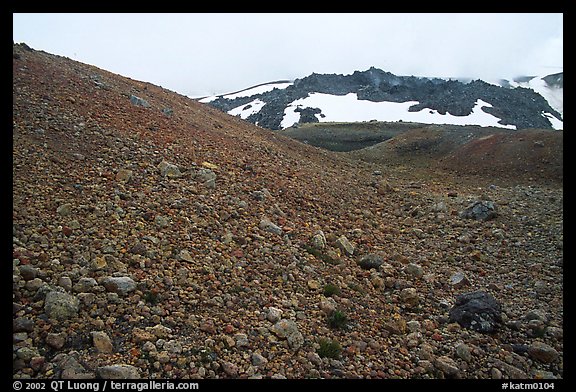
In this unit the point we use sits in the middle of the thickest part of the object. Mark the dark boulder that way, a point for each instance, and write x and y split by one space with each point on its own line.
370 261
482 210
477 310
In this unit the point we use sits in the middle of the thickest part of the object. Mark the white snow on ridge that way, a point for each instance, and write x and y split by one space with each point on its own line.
348 108
553 95
208 99
258 90
249 92
244 111
556 124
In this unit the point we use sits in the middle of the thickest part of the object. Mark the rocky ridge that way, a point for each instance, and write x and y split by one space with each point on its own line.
521 107
170 240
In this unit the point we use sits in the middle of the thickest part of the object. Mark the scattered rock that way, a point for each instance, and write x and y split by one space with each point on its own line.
459 280
56 340
118 372
447 366
414 270
370 261
28 272
22 324
139 101
93 200
64 209
463 351
61 306
124 175
481 210
319 240
121 285
267 225
258 360
409 297
102 342
288 329
542 352
345 245
273 314
184 255
169 170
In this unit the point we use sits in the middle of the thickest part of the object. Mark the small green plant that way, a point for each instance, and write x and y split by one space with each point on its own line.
331 289
337 319
329 349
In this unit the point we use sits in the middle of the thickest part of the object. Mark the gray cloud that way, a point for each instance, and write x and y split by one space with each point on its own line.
203 54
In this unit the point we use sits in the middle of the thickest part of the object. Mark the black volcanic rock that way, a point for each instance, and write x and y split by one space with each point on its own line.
307 115
477 310
514 106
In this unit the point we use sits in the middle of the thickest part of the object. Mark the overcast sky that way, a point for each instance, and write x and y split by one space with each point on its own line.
213 53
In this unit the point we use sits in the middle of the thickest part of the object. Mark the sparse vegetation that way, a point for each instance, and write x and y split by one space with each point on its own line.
331 289
152 297
329 348
337 320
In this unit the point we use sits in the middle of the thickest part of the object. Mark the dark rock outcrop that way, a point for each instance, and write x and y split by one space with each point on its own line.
521 107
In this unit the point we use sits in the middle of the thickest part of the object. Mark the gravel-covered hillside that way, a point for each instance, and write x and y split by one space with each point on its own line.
157 237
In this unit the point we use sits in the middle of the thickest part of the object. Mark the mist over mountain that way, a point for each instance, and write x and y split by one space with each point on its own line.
374 94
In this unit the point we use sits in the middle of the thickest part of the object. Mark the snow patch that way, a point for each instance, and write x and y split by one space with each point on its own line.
348 108
291 116
556 124
245 111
